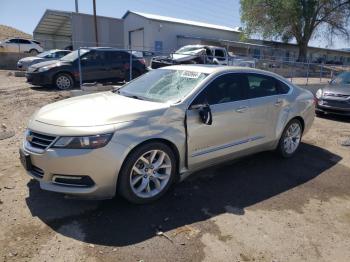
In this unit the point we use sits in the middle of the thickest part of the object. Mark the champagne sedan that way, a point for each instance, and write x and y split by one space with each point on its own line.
140 139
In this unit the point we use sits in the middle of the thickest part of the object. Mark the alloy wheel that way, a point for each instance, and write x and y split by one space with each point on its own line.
292 138
63 82
150 173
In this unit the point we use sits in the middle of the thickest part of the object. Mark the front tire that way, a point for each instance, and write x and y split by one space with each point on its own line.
63 81
147 173
290 139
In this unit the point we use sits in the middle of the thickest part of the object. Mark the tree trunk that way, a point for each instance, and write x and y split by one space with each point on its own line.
302 57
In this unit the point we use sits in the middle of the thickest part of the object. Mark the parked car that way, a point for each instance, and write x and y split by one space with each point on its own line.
335 98
139 139
200 54
54 54
20 45
97 64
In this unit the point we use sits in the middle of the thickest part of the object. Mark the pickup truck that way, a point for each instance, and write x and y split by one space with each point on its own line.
200 54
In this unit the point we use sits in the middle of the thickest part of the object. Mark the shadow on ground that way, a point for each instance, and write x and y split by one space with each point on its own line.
206 193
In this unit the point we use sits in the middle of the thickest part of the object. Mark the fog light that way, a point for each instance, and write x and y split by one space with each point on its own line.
79 181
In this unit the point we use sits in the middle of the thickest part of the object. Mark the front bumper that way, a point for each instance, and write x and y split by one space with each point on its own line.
330 109
39 79
100 165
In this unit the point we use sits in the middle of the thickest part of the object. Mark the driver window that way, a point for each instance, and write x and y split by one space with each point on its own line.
224 89
93 58
208 52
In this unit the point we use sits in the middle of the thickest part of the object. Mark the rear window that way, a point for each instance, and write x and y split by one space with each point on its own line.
262 85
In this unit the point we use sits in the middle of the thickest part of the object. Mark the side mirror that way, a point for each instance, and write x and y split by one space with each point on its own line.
84 61
205 114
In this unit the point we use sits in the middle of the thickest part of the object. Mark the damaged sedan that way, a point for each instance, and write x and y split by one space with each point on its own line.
140 139
200 54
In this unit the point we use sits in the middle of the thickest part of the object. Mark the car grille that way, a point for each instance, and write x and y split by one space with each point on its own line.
39 141
337 95
336 103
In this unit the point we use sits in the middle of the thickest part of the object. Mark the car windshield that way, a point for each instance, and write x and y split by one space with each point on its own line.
188 50
46 54
341 79
74 55
163 85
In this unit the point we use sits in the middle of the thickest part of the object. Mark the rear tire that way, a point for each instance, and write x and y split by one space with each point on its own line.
147 173
290 140
33 52
63 81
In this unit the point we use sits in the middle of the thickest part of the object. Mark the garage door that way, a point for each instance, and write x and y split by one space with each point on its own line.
136 40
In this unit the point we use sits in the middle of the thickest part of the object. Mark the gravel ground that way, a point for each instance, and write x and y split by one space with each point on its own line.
260 208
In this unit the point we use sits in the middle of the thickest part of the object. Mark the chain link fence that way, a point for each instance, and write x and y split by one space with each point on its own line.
131 63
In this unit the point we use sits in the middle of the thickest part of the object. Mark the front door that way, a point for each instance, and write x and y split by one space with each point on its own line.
119 65
229 130
94 66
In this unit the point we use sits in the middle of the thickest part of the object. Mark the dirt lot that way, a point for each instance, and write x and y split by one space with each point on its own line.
260 208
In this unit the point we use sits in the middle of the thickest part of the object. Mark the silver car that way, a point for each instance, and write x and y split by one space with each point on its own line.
141 138
54 54
335 98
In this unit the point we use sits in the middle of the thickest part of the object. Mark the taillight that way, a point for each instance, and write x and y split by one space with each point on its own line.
142 61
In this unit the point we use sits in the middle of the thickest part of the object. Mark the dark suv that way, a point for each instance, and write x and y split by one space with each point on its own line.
97 64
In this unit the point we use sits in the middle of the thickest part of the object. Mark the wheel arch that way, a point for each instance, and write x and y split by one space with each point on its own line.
301 120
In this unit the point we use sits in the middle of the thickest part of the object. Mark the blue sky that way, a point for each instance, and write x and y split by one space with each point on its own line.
25 14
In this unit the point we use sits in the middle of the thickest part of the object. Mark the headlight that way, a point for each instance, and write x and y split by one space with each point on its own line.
43 69
319 93
83 142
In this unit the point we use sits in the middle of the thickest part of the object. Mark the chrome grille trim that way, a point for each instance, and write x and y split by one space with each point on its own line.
38 142
336 95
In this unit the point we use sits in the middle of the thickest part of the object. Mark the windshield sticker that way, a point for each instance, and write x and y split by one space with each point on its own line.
188 74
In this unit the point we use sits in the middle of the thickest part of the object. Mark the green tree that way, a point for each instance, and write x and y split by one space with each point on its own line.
301 20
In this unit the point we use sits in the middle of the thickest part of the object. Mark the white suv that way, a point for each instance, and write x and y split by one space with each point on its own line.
20 45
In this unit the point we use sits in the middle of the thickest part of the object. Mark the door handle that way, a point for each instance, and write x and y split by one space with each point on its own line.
242 109
278 102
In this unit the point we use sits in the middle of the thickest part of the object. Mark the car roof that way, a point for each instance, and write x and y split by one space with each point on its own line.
211 69
204 46
59 50
103 48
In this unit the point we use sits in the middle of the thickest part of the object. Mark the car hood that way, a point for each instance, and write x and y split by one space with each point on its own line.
96 110
30 59
181 57
337 89
185 57
46 63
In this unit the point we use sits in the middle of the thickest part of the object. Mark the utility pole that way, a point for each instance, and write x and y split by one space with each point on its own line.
95 22
76 6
